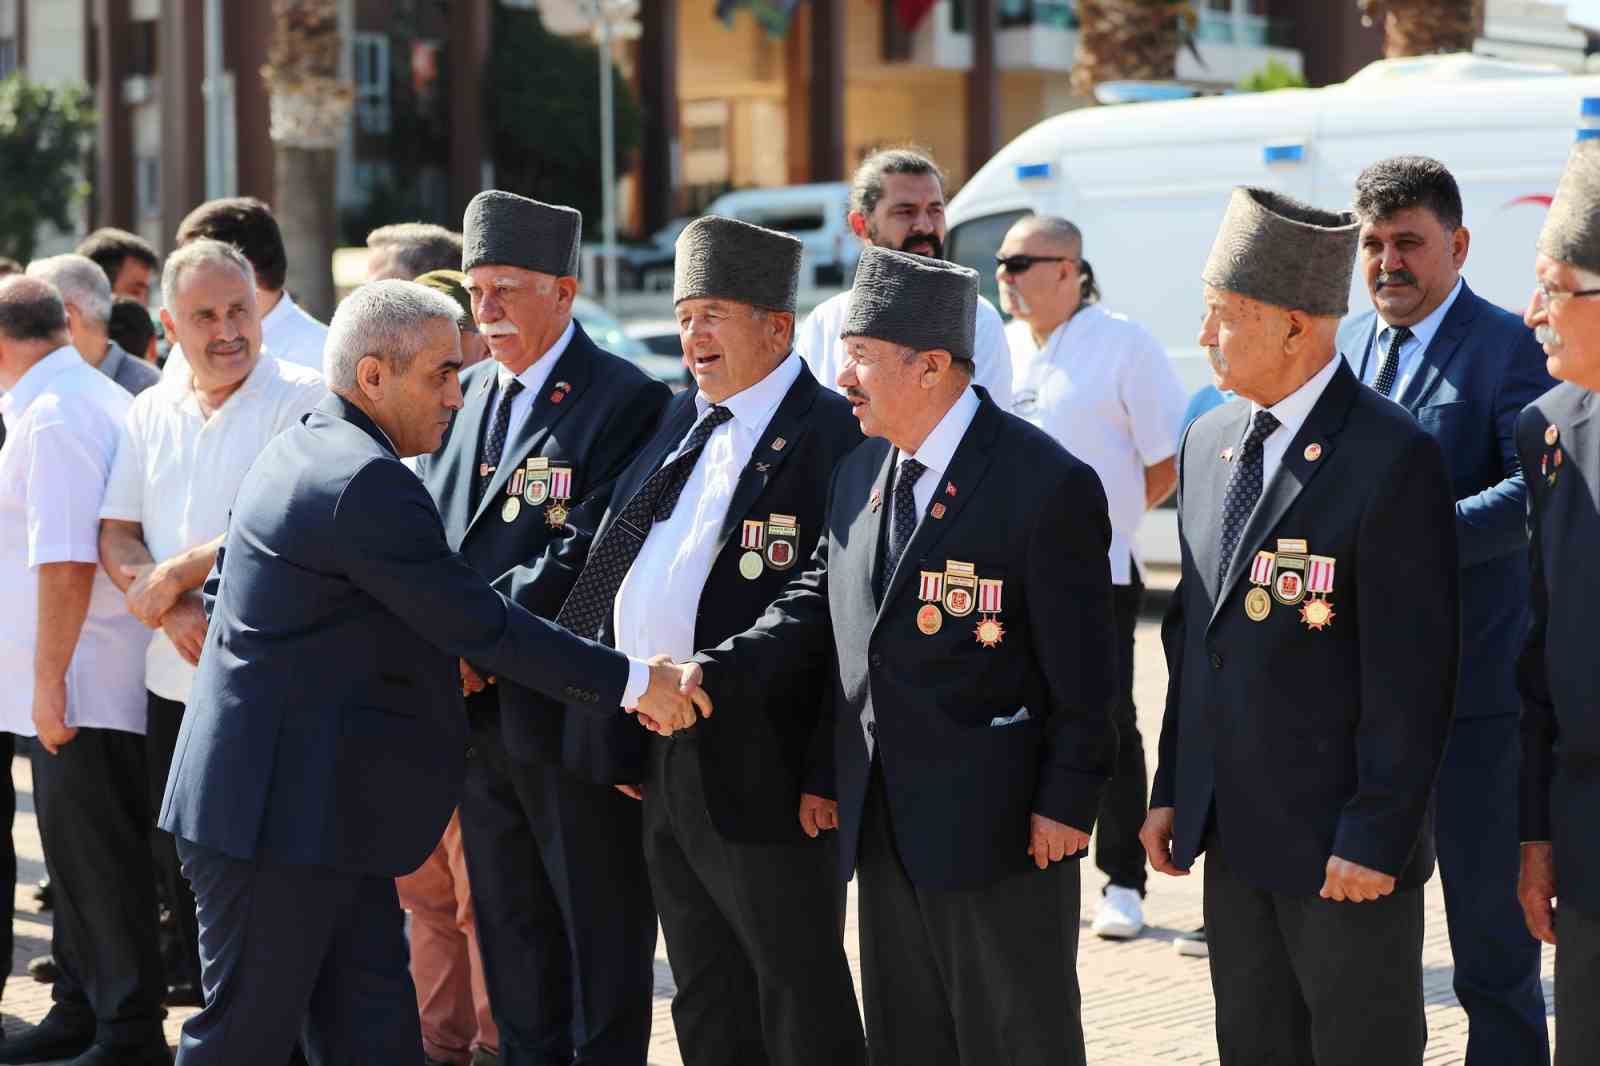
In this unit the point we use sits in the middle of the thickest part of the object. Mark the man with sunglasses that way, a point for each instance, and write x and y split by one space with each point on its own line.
897 202
1101 386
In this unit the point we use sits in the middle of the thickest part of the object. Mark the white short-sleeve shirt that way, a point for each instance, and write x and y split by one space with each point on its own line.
817 341
1102 386
177 472
63 420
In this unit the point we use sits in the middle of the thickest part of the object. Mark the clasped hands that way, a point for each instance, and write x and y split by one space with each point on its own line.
158 601
675 699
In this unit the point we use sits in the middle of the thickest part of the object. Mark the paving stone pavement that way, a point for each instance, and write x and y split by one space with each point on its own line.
1142 1003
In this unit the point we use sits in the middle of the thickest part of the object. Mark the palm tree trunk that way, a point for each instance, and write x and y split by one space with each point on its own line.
1128 39
1426 27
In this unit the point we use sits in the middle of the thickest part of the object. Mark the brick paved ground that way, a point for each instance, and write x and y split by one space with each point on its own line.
1142 1003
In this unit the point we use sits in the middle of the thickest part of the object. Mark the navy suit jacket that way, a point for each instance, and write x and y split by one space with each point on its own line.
325 726
607 411
1481 369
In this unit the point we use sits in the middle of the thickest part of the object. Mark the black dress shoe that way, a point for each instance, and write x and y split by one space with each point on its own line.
44 969
152 1054
48 1041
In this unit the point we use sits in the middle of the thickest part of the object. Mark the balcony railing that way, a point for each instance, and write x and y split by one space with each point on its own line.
1055 14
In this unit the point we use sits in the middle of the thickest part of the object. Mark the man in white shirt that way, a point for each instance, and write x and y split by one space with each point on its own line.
87 296
1101 386
185 447
897 202
72 660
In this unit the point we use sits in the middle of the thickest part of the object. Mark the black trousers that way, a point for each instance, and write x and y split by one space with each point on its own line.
93 806
1577 987
1117 850
8 854
755 932
181 949
973 977
1304 981
566 924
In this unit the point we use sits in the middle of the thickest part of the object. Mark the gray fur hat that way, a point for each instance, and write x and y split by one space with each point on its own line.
1275 249
912 300
723 258
1571 231
504 229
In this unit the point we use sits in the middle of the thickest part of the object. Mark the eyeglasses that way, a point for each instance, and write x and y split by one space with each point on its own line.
1545 295
1021 264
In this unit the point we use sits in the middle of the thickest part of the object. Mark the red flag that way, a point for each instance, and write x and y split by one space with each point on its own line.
911 12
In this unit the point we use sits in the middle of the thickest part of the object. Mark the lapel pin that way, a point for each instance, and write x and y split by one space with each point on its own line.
1227 455
762 468
1313 452
938 510
1551 435
949 488
875 501
556 395
564 386
777 444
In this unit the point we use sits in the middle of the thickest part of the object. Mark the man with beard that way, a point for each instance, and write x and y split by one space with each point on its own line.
897 202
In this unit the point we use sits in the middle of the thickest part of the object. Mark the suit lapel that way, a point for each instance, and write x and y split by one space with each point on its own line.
1441 350
467 435
1369 340
1321 427
1211 471
780 440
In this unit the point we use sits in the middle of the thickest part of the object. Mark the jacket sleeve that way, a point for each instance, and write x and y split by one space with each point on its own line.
1070 618
1539 729
393 547
1164 788
1408 620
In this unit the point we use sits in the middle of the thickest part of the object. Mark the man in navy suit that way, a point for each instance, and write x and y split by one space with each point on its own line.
323 747
1465 369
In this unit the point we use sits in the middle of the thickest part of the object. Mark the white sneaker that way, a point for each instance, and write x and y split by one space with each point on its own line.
1120 915
1192 945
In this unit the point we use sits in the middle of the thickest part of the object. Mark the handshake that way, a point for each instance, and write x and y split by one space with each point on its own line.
673 698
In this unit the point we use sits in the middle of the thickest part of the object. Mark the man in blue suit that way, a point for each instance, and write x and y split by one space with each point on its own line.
324 744
1465 369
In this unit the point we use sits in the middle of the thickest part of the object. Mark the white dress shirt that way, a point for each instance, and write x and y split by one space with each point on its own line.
177 472
817 340
287 331
1291 413
533 379
1103 388
63 420
1422 335
657 603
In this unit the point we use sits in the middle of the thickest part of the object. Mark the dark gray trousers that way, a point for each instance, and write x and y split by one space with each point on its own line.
1304 981
1577 987
975 977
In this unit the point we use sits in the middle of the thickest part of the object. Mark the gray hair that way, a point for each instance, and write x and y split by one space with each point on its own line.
866 186
202 251
419 247
384 319
80 281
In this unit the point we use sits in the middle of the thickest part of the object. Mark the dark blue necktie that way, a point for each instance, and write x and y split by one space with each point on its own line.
904 521
494 443
1390 366
1244 489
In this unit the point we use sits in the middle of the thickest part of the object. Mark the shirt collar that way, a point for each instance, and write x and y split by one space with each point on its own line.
265 370
281 312
1293 410
538 371
752 407
1423 331
37 378
939 448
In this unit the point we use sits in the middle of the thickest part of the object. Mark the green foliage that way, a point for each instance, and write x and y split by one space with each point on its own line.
43 133
1275 75
543 96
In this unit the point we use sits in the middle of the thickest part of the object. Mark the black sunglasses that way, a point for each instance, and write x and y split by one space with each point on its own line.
1021 264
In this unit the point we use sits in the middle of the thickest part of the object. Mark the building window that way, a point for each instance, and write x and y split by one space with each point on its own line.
147 185
370 65
141 53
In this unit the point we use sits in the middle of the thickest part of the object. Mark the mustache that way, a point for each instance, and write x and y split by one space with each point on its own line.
929 239
1397 277
1218 360
227 347
498 329
1547 335
855 394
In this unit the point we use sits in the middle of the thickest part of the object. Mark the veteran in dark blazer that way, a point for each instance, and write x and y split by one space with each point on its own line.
960 601
1465 369
322 751
1558 674
1311 646
748 891
561 898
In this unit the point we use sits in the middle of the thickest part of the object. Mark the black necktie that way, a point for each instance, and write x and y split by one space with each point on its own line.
591 600
1244 489
1391 360
904 521
494 443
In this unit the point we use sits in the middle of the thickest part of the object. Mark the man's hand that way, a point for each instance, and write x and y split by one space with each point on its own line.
1536 890
185 626
817 814
674 695
1350 882
471 681
50 715
1156 836
152 594
1050 841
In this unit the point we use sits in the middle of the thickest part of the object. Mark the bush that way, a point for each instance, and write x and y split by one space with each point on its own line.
1275 75
43 133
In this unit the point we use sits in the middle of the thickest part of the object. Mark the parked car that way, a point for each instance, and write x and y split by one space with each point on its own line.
660 335
606 330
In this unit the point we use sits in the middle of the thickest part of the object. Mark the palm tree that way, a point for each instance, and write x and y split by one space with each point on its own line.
1129 39
310 112
1425 27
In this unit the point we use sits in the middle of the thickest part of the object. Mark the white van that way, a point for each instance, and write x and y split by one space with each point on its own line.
1148 183
814 213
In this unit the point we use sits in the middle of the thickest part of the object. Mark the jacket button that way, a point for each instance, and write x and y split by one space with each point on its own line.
472 753
1216 661
872 728
875 659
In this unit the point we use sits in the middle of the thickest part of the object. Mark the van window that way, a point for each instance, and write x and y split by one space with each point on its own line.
974 243
799 220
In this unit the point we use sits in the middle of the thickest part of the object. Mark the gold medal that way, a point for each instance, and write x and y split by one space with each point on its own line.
750 565
1551 435
510 509
1257 604
1316 613
989 632
555 516
929 619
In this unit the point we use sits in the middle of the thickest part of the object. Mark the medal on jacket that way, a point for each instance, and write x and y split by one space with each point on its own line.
510 509
1317 612
930 591
1257 604
555 516
753 539
1289 572
960 588
989 632
1549 463
783 541
536 481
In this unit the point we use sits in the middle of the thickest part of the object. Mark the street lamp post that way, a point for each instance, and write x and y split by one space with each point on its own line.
602 12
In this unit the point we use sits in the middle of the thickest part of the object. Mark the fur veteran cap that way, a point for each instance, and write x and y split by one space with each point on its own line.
912 300
1571 231
504 229
1275 249
723 258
